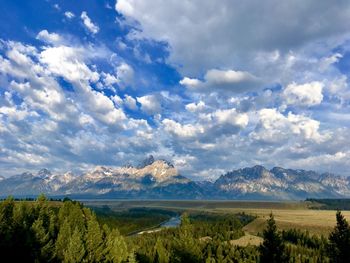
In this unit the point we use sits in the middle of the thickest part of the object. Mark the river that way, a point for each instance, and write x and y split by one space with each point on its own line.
172 222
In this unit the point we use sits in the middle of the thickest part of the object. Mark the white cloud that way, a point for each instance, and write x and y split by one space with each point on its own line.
109 80
69 14
130 102
150 104
274 127
308 94
207 128
223 80
231 117
206 34
46 125
195 107
183 131
125 75
191 83
89 24
223 121
68 62
118 101
45 36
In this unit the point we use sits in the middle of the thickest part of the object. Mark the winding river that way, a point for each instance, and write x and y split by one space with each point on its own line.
172 222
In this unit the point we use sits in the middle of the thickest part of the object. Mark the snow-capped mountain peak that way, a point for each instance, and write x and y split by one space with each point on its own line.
160 179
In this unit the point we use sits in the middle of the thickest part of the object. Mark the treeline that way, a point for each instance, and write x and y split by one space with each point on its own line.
302 247
330 204
32 199
199 238
43 231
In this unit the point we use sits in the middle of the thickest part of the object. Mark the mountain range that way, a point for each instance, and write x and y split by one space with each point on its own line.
159 179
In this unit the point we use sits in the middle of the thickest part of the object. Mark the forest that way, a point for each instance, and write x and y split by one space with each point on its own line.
66 231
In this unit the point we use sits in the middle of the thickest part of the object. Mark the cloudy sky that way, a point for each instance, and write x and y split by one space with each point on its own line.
209 85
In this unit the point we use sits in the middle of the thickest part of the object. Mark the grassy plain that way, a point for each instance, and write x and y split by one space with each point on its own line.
287 214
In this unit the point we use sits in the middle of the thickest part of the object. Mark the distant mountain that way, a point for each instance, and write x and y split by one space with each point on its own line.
159 179
152 179
278 183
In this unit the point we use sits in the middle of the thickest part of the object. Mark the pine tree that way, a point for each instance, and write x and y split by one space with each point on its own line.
272 250
42 236
219 254
161 255
94 240
75 250
64 234
187 248
116 249
339 241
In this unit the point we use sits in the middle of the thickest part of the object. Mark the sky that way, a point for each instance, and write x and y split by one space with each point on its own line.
211 86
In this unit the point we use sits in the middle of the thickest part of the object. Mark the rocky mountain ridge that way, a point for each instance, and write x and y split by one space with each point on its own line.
280 183
159 179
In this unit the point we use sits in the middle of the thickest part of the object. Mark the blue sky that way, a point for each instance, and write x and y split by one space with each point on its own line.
209 85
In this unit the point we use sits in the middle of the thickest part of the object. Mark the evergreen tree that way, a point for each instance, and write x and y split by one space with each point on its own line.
272 250
64 234
219 254
186 248
75 250
116 249
45 245
339 241
161 255
94 240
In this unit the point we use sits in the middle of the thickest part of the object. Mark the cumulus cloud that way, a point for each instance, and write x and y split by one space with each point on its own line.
183 131
71 101
89 25
125 74
52 38
223 80
274 127
150 104
130 102
208 127
308 94
195 107
49 126
109 80
204 34
67 61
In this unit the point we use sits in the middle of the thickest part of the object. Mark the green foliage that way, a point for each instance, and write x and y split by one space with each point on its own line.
132 220
161 255
75 250
40 232
272 250
44 231
116 249
200 238
339 240
94 240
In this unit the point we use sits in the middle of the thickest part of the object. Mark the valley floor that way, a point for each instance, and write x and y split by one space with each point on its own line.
288 215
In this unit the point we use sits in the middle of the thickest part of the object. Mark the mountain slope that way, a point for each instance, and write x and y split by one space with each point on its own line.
158 179
278 183
152 179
